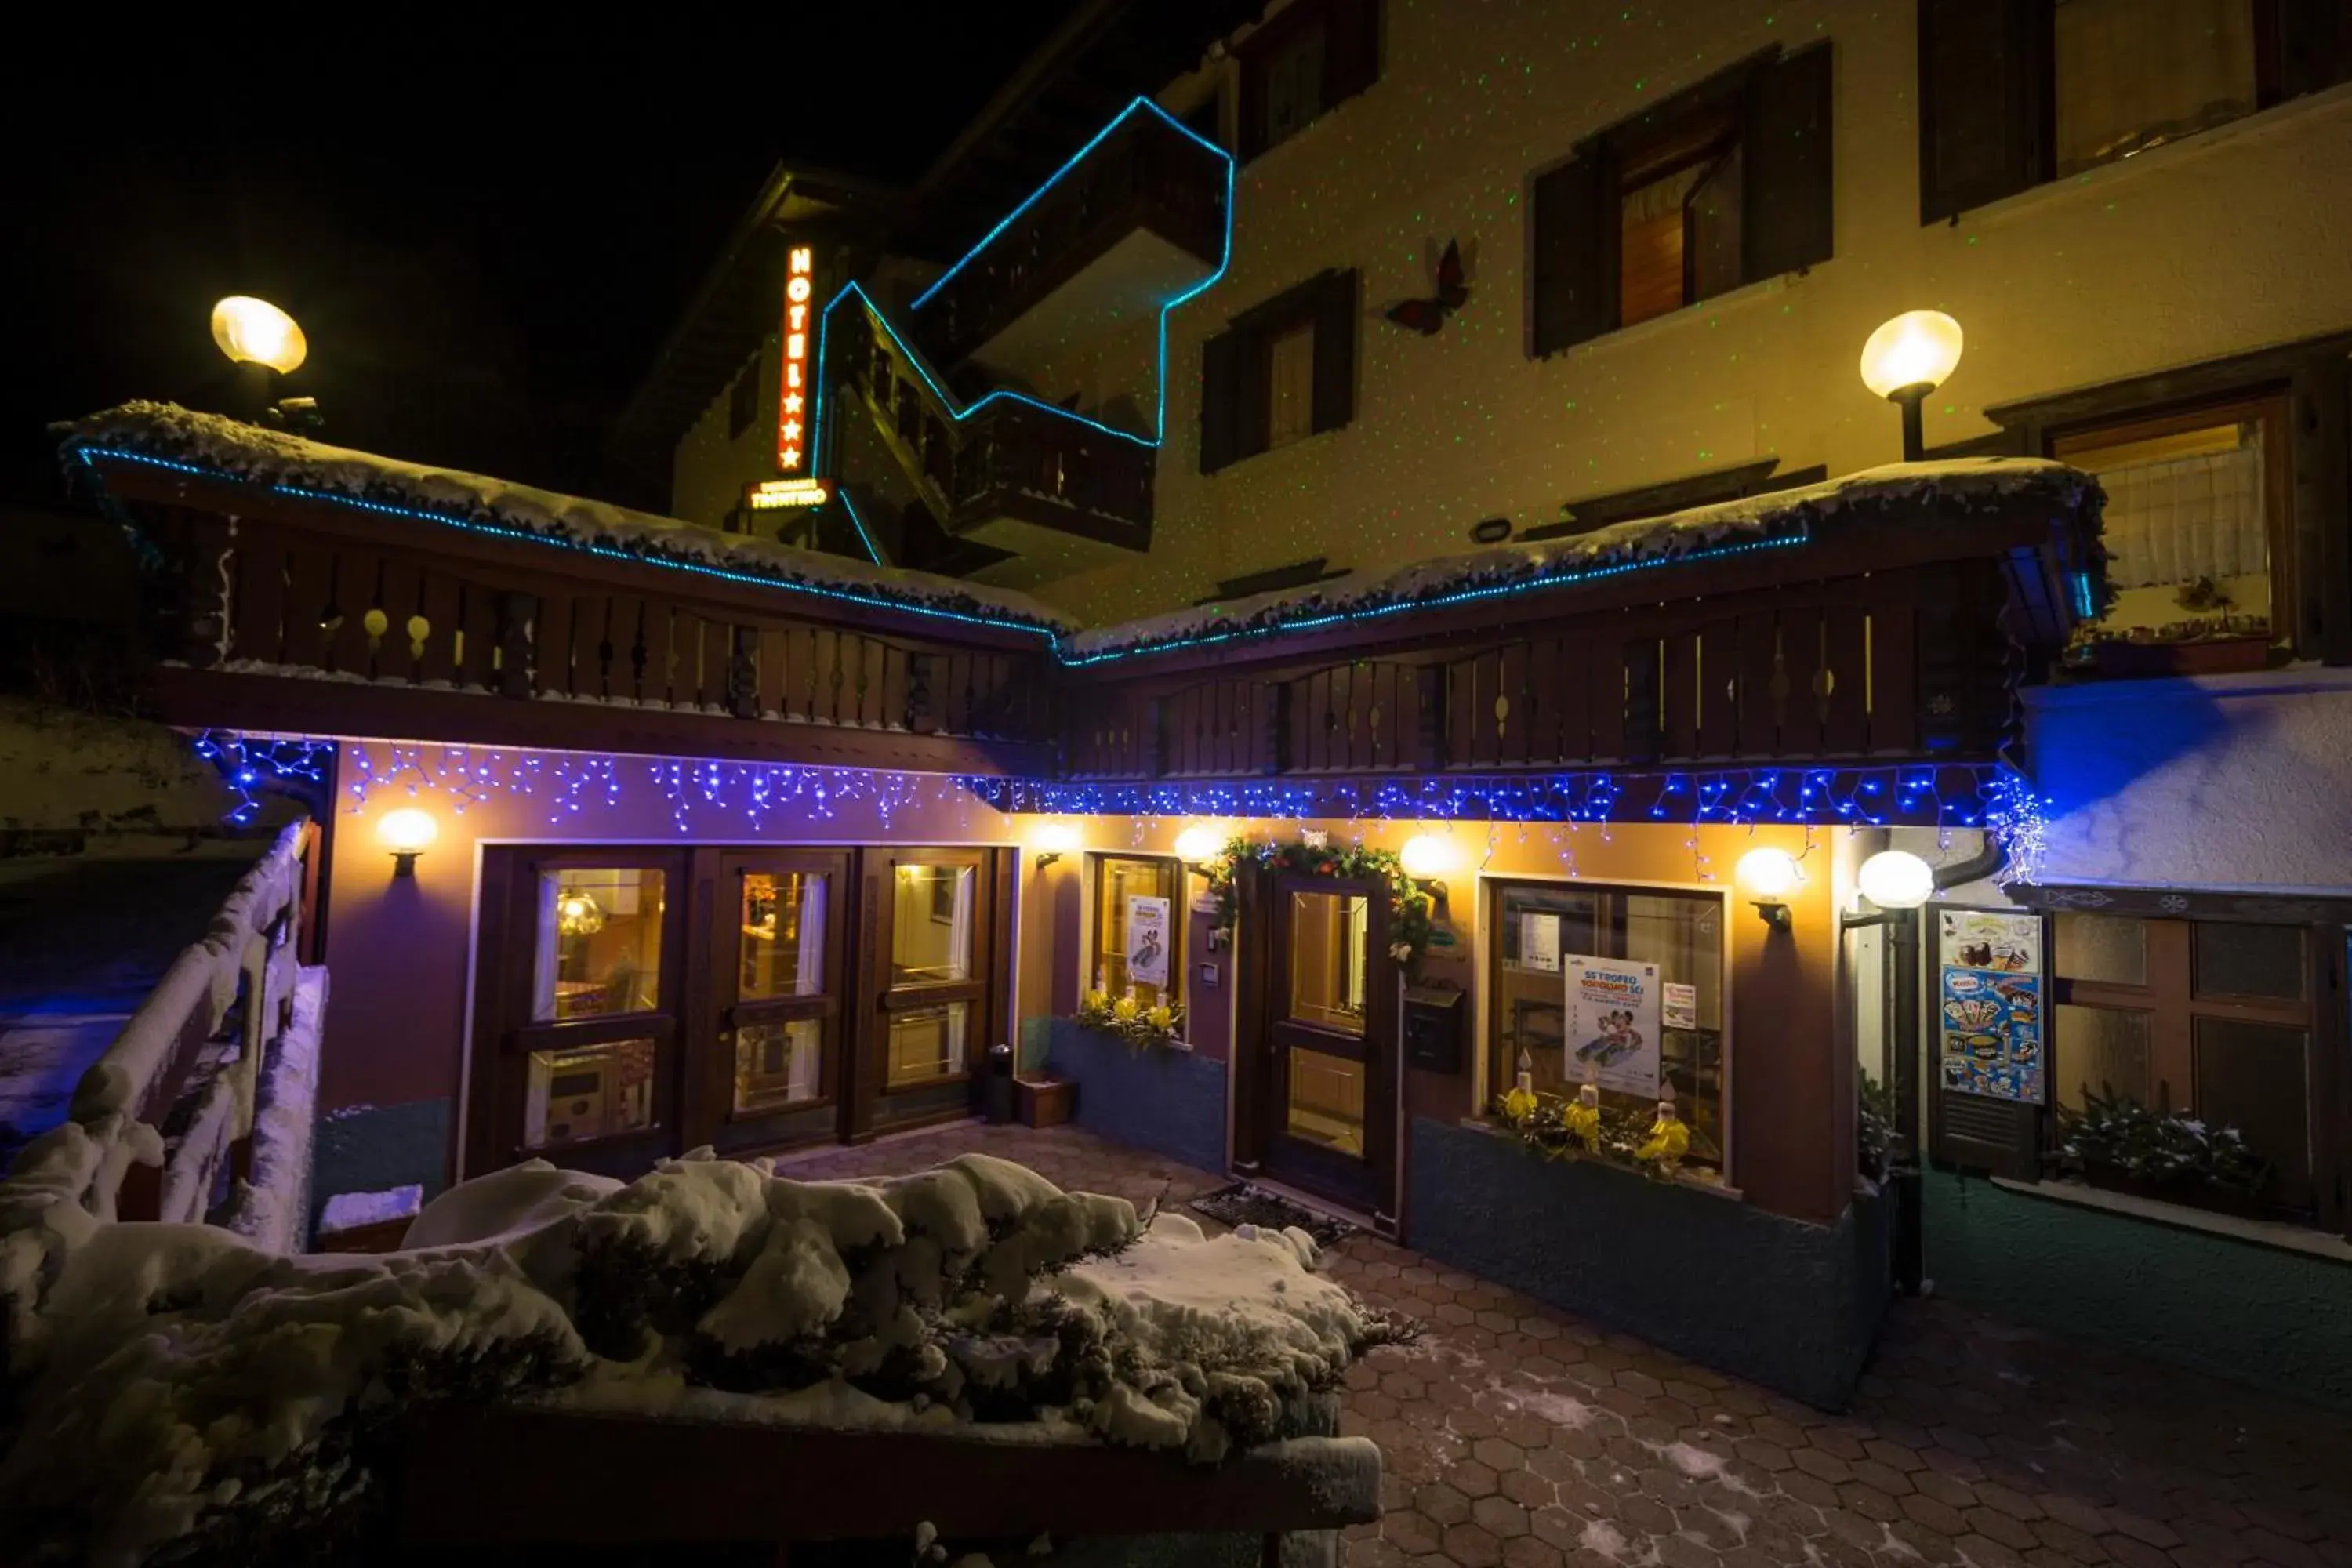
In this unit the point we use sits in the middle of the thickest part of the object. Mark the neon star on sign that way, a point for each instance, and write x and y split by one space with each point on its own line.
792 446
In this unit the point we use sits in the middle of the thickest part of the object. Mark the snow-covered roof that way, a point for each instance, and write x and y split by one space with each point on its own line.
166 430
2001 481
273 457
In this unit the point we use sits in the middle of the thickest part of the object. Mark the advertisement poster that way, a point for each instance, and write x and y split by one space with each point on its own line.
1147 940
1612 1025
1682 1006
1989 1003
1539 943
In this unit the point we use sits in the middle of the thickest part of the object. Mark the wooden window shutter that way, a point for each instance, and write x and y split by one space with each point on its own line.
1785 153
1220 373
1351 50
2314 44
1573 259
1985 101
1335 351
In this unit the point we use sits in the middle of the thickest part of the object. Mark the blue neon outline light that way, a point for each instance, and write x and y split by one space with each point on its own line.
863 537
1159 414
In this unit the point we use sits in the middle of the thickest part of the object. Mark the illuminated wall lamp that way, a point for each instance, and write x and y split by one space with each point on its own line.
1199 844
1908 358
1426 857
1771 875
1053 840
406 834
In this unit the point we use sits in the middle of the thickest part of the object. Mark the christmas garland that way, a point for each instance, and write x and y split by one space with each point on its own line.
1580 1127
1160 1025
1408 907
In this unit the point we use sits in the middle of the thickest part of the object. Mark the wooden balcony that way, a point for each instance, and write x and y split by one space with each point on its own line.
1144 176
310 614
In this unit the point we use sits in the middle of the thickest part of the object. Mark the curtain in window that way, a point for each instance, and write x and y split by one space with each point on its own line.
960 931
2133 73
547 951
2185 518
809 977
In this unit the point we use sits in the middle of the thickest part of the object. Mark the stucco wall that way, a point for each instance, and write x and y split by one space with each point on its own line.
2276 1318
710 468
2204 247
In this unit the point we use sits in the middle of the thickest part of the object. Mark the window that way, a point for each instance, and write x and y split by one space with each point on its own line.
2014 93
1139 944
743 401
2209 1017
599 945
1281 371
1723 184
942 926
783 947
1311 56
1329 933
1538 928
598 1092
2195 526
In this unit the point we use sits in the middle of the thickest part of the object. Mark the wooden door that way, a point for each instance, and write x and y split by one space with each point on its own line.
579 991
772 1072
936 928
1325 1096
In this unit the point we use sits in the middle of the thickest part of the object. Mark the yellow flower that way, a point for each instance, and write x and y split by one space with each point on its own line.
1161 1017
1125 1009
1097 1001
1582 1121
1668 1142
1519 1105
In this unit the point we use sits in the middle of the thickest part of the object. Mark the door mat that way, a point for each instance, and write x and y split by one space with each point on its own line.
1243 1204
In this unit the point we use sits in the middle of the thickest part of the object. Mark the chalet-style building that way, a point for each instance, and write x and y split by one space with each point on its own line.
1425 442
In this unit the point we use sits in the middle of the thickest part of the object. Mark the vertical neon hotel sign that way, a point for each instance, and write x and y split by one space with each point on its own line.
795 486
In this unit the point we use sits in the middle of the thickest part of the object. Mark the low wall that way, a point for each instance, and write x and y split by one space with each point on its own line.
374 1148
2278 1320
1170 1102
1790 1305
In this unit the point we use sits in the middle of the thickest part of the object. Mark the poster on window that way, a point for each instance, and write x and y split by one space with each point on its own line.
1147 940
1989 1003
1539 943
1612 1025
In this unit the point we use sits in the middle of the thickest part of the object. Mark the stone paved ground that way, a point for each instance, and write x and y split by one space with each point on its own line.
1514 1435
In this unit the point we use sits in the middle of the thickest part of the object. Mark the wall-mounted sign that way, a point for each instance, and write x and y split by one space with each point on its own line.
1988 1002
1681 1010
792 401
1612 1025
786 495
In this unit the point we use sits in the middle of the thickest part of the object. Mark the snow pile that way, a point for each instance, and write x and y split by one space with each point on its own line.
1996 481
272 457
270 1206
181 1384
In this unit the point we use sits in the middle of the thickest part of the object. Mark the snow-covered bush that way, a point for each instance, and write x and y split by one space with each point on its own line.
180 1395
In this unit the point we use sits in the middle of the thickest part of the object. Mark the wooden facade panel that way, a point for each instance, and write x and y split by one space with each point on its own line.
1679 697
1604 687
441 604
1800 682
1489 709
1717 683
1572 697
1845 711
1513 707
1892 672
551 647
1643 735
400 599
1759 648
353 594
478 648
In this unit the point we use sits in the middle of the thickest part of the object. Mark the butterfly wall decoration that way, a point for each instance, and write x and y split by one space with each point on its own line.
1427 316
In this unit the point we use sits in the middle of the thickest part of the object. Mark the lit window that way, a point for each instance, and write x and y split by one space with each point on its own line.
595 1092
1138 928
931 923
1329 933
599 947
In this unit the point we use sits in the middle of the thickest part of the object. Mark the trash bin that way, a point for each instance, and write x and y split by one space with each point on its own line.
996 1088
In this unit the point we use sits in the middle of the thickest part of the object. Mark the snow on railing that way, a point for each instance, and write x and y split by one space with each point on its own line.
170 1106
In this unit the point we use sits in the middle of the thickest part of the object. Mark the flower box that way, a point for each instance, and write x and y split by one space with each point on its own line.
2186 1192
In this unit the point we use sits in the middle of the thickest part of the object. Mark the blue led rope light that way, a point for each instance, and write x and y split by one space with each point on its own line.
863 537
1160 416
1798 535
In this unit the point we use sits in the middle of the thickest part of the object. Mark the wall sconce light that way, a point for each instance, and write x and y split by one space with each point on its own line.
1199 844
1896 880
1426 857
406 834
1054 840
1770 875
1908 358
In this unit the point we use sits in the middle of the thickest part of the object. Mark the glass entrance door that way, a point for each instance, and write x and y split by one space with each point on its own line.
777 971
1330 1098
940 920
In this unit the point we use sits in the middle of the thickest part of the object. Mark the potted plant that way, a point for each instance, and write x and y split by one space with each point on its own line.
2115 1143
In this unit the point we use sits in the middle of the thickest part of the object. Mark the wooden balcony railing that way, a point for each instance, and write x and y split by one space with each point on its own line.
381 619
1146 172
1010 458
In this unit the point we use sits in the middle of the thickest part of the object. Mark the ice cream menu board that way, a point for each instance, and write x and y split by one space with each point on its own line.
1990 1003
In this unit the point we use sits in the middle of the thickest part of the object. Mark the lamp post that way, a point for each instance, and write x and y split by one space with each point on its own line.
263 343
1908 358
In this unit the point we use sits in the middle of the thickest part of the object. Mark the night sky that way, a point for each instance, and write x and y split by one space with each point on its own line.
486 237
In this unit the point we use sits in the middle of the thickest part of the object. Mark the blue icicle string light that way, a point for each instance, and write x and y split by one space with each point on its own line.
250 764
